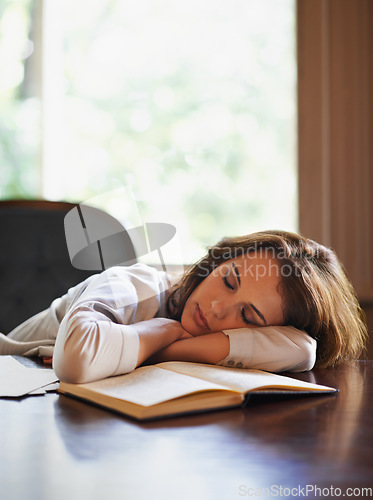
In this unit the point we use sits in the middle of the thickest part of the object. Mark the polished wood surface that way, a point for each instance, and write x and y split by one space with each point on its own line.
55 447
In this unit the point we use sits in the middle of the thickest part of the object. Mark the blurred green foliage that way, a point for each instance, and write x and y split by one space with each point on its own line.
19 109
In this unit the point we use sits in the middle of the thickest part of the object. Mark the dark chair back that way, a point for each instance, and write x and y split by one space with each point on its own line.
35 265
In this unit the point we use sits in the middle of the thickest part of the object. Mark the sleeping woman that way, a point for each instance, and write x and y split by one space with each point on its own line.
271 300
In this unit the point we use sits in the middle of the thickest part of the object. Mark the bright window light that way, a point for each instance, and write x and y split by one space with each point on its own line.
191 105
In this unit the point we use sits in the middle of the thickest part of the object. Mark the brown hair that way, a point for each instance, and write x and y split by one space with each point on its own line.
317 295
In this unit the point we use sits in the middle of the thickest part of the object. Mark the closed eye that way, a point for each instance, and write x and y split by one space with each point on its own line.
226 283
245 320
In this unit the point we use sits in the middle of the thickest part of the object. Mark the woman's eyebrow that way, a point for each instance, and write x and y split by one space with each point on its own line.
258 313
255 309
237 273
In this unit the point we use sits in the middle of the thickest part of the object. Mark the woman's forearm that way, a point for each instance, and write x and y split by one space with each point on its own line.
210 348
90 348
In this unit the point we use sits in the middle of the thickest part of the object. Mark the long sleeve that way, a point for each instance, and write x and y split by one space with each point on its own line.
96 338
271 348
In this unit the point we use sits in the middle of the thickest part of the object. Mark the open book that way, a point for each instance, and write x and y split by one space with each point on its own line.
177 387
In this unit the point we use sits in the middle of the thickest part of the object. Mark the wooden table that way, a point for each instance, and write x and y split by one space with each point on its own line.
55 447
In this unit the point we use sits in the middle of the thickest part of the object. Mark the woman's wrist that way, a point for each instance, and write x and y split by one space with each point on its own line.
156 334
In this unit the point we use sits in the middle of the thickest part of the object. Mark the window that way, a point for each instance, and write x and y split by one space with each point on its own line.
191 105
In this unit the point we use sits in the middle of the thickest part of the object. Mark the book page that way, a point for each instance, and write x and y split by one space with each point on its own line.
240 379
150 385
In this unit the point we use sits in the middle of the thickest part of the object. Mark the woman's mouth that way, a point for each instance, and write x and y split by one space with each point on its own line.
200 318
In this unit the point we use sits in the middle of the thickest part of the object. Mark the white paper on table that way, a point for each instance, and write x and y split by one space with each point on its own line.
18 380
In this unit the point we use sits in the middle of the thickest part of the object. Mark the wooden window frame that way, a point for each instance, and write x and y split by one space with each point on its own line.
335 131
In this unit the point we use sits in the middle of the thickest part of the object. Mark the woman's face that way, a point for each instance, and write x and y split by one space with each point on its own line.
241 292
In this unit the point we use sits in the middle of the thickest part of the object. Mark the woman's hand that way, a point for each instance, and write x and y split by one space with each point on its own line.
156 334
186 335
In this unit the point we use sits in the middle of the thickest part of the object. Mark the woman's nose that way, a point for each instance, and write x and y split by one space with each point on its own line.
219 308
